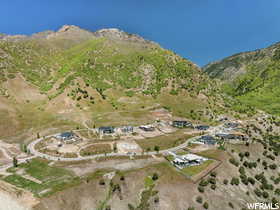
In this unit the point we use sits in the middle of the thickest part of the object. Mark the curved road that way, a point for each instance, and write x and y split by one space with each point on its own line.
33 151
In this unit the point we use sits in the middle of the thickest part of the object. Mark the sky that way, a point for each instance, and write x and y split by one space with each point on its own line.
200 30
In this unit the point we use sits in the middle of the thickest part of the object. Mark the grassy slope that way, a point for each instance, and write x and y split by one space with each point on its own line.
258 85
94 74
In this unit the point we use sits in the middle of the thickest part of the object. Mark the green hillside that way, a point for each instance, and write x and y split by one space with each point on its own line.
76 75
252 77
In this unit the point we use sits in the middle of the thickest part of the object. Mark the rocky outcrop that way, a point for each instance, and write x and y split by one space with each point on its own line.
117 34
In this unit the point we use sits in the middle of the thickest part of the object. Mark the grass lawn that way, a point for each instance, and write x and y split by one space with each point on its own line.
53 178
164 141
181 152
169 157
96 149
24 183
193 170
40 169
212 153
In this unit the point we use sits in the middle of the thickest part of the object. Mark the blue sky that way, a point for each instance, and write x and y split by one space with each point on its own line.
200 30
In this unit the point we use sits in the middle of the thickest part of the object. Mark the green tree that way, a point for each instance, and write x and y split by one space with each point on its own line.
155 177
156 148
205 205
199 199
15 162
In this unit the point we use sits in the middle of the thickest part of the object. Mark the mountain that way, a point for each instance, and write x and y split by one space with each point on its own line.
57 81
72 76
252 77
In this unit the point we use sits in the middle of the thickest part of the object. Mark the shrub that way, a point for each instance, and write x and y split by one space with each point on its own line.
242 170
129 93
205 205
251 180
212 180
225 181
101 182
203 183
258 192
273 166
155 177
244 179
199 199
271 157
265 194
15 162
200 189
231 205
156 148
11 76
277 191
156 200
130 206
246 164
234 162
234 181
252 165
213 174
213 186
274 201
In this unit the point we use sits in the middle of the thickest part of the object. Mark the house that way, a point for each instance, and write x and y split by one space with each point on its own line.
127 129
66 137
232 136
106 130
181 124
147 128
231 125
210 140
202 127
223 136
188 160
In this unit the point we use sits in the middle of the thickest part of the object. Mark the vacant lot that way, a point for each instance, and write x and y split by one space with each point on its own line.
96 149
164 141
88 134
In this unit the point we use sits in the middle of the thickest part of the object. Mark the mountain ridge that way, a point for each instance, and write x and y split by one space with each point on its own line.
81 74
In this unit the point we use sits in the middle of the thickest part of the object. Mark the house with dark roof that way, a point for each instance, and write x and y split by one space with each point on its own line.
232 136
127 129
202 127
210 140
106 130
147 128
181 124
66 136
231 125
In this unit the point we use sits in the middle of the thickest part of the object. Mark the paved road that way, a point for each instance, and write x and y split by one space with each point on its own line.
35 153
31 148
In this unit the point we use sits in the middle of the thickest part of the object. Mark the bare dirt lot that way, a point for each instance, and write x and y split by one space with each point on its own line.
125 164
128 146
